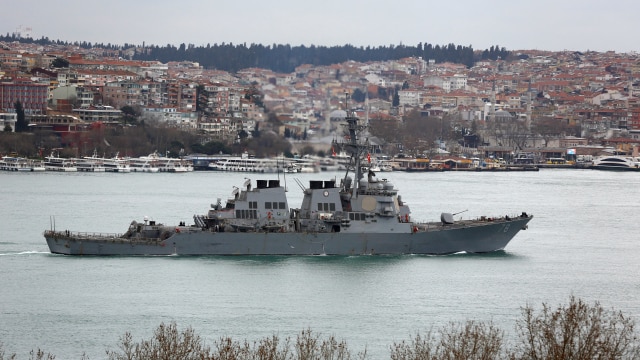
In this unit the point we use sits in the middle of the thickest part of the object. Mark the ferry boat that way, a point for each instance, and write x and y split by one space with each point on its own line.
146 164
36 165
616 162
174 165
247 164
91 163
116 164
360 215
14 163
55 163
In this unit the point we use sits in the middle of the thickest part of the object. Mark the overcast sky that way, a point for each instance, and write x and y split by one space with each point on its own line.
542 24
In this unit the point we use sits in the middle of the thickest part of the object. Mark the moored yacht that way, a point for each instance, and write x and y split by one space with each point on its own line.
616 162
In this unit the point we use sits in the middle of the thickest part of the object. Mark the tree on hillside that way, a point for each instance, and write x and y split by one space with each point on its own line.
420 131
60 63
129 114
549 128
358 95
22 124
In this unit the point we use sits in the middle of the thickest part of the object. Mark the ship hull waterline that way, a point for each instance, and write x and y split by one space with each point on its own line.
439 240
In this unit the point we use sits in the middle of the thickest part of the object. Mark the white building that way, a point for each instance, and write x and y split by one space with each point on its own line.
409 97
8 119
448 83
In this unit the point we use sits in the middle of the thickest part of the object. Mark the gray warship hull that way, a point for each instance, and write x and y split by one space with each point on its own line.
478 236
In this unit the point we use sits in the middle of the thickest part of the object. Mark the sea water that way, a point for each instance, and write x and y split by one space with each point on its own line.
583 242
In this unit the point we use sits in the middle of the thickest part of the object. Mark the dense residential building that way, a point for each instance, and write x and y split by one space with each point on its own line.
123 93
32 96
102 113
547 95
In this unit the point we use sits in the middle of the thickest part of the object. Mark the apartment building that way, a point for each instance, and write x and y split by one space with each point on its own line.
32 96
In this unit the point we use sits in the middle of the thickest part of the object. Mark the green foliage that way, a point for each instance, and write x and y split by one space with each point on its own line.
129 110
282 58
211 148
129 115
268 144
358 95
256 130
307 150
60 63
21 123
243 134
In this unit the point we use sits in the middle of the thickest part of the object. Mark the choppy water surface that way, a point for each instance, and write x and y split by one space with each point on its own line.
583 241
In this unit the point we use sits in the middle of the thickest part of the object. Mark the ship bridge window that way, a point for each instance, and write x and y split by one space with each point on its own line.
253 204
246 214
275 205
326 207
357 216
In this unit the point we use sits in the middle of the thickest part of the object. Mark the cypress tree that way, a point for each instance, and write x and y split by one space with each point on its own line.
21 123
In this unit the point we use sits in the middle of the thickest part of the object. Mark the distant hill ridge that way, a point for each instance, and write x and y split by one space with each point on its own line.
283 58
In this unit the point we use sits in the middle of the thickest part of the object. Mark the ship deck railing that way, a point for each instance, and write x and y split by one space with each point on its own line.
481 221
114 237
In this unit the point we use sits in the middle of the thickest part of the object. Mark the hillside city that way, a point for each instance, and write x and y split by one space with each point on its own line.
535 103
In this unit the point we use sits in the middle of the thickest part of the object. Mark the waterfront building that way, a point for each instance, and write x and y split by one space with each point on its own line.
32 96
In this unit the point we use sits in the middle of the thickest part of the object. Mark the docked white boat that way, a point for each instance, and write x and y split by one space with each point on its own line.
385 166
91 164
36 165
146 164
117 164
13 163
56 163
308 164
174 165
246 164
616 162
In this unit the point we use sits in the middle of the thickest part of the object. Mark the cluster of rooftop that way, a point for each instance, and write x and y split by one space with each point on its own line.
540 94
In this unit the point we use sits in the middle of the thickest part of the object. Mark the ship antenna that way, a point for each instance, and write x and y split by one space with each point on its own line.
354 147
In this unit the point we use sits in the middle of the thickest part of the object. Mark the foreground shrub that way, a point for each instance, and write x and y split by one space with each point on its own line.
472 340
168 343
575 331
34 355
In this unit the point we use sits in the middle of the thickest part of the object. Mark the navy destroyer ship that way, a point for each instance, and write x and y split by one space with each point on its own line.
360 215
